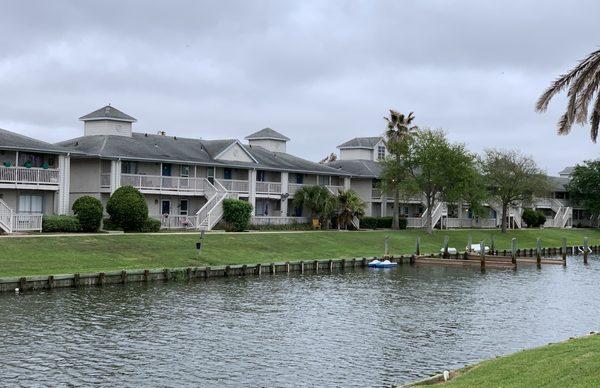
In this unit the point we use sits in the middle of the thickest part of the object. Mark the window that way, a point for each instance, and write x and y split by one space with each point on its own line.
36 160
299 179
129 168
323 180
260 176
30 203
380 152
185 171
210 172
227 173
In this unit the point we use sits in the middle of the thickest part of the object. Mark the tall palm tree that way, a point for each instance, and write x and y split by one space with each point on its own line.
582 83
350 206
399 128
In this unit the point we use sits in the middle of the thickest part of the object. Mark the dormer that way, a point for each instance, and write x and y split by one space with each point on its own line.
268 139
107 121
363 148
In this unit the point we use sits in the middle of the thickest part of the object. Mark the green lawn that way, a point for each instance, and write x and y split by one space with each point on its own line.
567 364
62 255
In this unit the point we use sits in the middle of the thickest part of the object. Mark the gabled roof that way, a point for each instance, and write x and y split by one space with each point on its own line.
267 134
158 148
567 170
14 141
559 183
362 168
108 113
361 142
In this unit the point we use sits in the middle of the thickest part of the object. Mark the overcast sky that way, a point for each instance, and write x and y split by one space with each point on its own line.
320 72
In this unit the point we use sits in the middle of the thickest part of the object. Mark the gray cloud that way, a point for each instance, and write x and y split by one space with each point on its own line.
321 72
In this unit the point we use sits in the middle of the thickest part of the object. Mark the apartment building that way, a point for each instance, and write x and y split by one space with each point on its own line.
185 180
360 157
33 181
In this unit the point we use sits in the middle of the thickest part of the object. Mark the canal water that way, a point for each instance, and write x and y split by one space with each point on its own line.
356 328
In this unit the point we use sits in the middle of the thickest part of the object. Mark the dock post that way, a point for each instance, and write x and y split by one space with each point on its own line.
538 252
482 253
418 246
585 250
385 247
302 267
469 243
446 240
563 251
492 244
513 250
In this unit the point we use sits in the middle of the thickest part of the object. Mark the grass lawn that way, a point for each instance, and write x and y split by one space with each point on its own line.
47 255
573 363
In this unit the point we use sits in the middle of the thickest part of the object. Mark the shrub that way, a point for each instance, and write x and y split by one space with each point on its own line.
65 224
89 212
150 226
237 214
368 222
107 224
292 226
381 222
533 218
127 208
402 223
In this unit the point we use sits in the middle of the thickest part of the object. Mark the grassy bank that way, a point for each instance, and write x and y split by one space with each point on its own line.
70 254
573 363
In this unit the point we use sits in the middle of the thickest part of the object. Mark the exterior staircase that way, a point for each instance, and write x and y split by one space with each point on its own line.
212 211
6 217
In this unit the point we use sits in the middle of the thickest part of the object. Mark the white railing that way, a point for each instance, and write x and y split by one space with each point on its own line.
6 217
165 183
268 187
105 180
414 222
238 186
376 193
471 222
334 190
27 222
268 220
436 215
29 175
294 187
172 221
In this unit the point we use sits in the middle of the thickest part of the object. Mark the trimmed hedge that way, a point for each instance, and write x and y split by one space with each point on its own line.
107 224
533 218
128 209
380 222
292 226
237 215
150 226
89 212
64 224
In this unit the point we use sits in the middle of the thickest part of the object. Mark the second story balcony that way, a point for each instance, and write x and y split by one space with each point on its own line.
32 176
166 184
235 185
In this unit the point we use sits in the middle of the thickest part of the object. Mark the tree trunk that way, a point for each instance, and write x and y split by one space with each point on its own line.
504 215
396 216
429 215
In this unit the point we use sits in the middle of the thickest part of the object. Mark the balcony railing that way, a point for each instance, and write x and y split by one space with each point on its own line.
45 176
236 186
172 221
268 187
164 183
23 222
269 220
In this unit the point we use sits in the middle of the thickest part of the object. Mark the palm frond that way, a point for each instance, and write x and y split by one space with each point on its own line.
585 97
595 119
564 127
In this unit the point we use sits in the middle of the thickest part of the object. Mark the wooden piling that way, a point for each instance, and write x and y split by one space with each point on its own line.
101 277
482 253
76 279
302 267
386 251
538 252
513 251
206 272
259 269
51 282
244 269
273 269
316 266
446 241
123 277
287 267
343 263
146 275
585 250
330 265
563 251
418 246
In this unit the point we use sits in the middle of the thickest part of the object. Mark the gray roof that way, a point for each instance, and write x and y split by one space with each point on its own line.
559 183
567 170
108 112
361 142
193 151
14 141
358 168
267 133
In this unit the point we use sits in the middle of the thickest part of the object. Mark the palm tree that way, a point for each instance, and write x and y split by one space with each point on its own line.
399 128
313 197
350 206
582 83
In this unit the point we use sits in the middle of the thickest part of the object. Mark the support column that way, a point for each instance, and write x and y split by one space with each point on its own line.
284 191
383 205
115 175
64 183
347 183
252 190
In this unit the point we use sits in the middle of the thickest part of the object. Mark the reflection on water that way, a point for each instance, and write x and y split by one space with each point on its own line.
357 328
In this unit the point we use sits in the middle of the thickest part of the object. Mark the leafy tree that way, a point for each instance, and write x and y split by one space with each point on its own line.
89 212
237 214
127 208
398 140
584 187
512 178
439 170
350 205
315 198
583 82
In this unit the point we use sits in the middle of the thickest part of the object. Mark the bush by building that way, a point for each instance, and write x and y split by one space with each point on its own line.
237 215
150 226
89 212
533 218
62 224
127 209
380 222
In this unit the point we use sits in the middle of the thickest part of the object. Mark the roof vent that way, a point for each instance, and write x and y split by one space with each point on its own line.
174 137
162 133
145 135
107 110
76 143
